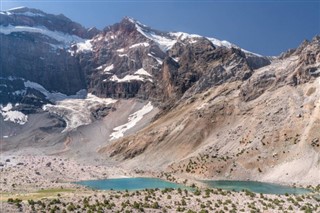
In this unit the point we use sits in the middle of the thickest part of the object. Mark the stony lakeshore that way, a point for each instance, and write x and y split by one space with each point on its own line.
44 184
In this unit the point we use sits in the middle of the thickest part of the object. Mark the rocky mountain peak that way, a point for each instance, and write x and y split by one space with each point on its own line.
127 59
27 11
294 67
24 16
305 46
127 24
129 19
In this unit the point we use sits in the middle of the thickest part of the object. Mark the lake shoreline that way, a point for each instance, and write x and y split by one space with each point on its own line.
38 172
45 178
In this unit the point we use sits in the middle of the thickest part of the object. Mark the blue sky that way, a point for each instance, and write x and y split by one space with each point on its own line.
267 27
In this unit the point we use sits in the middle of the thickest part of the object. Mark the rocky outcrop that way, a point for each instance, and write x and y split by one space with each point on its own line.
293 68
27 100
202 66
30 17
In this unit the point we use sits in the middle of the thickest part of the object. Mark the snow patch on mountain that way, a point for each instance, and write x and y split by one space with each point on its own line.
143 44
176 59
139 75
156 58
132 121
5 13
109 68
219 43
166 40
24 13
53 96
19 92
127 78
142 72
229 45
12 115
17 8
120 50
85 46
99 67
78 112
183 36
163 42
56 35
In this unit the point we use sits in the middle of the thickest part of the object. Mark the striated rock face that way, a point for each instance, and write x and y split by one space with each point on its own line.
34 46
30 57
28 100
292 68
30 17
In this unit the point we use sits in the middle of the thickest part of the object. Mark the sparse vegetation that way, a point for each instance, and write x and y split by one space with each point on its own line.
171 199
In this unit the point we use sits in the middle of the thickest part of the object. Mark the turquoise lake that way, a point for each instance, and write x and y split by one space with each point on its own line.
121 184
257 187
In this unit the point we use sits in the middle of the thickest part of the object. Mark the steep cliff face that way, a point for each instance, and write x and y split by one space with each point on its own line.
29 17
31 57
202 65
119 66
35 46
295 67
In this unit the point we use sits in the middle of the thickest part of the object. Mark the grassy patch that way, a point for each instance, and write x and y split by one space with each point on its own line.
45 193
55 190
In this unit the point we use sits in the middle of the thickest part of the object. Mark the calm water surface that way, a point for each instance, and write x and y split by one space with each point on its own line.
257 187
121 184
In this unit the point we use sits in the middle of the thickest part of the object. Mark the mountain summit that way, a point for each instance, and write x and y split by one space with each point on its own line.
78 58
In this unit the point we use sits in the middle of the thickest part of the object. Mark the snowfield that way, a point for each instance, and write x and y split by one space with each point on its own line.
85 46
144 44
156 58
142 72
55 96
12 115
132 121
137 76
166 42
108 68
56 35
127 78
78 112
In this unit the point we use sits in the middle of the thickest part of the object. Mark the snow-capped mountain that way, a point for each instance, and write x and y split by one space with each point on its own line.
127 59
51 64
28 19
135 94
